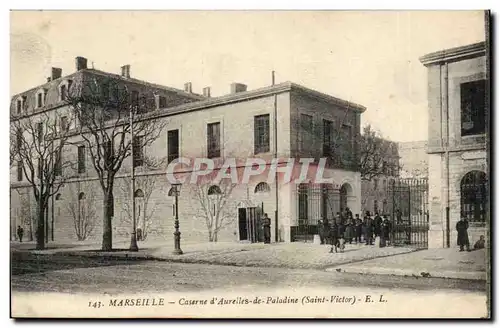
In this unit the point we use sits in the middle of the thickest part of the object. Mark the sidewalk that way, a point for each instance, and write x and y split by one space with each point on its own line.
442 263
282 255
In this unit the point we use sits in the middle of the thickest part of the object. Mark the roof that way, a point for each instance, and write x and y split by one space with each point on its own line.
454 54
261 92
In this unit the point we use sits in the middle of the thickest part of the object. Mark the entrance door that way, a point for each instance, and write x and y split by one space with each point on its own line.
242 223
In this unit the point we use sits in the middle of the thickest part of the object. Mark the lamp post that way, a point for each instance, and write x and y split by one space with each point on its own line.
177 233
133 236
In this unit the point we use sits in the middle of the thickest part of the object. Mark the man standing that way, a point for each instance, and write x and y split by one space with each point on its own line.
266 224
20 233
368 230
463 237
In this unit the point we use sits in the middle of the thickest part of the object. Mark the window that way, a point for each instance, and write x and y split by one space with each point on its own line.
39 99
173 145
63 124
63 92
214 190
138 194
327 138
138 145
375 206
58 165
162 102
348 141
19 170
261 134
473 196
19 140
81 159
19 106
135 98
375 184
473 106
262 187
39 132
384 184
306 123
213 140
385 209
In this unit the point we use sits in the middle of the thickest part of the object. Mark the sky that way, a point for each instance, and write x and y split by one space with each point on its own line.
368 57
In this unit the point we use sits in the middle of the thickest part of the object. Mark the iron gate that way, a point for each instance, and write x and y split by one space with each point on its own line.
409 212
314 202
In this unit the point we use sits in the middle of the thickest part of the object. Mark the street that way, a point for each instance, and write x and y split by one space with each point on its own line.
75 274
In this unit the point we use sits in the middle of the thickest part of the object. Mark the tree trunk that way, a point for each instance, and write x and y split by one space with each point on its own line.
107 232
40 229
210 236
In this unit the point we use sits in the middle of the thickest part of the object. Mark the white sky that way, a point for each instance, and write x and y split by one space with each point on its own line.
368 57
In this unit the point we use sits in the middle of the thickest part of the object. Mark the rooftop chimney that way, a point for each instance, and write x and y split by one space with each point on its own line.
206 92
126 71
188 87
49 79
81 63
238 87
56 73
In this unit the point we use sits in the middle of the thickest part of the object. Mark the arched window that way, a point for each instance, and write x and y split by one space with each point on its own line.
473 196
171 192
81 196
58 197
262 187
214 190
139 194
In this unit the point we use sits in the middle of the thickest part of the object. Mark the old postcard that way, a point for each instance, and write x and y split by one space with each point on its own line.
250 164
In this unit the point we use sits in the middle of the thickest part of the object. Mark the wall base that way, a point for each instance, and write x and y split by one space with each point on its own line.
436 239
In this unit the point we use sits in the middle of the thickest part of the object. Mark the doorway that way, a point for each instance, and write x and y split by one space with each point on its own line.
242 223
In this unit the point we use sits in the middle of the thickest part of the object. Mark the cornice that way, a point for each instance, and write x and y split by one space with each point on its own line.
454 54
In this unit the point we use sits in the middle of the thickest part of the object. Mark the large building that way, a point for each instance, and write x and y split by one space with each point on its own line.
413 159
458 101
282 121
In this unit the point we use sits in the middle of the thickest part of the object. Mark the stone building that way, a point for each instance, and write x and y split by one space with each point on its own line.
413 159
458 101
278 121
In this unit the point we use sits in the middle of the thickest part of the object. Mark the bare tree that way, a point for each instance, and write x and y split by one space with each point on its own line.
377 155
39 149
82 209
214 205
146 206
103 107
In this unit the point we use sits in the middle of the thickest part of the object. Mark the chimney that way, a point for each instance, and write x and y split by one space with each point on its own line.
238 87
206 92
49 79
188 87
126 71
56 73
81 63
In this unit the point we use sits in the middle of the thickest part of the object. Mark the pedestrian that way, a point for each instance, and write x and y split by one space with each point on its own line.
480 243
463 237
385 232
349 231
377 225
358 229
20 233
266 225
333 237
324 231
368 223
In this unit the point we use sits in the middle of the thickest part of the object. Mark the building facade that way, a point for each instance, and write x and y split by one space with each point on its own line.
280 121
414 161
458 101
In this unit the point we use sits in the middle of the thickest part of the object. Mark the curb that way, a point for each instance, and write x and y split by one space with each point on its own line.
471 275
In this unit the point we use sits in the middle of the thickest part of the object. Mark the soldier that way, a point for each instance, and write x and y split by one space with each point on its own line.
266 224
20 233
463 237
368 223
324 230
385 231
333 236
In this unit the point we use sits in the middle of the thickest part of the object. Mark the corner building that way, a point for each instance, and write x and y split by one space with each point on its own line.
458 101
285 120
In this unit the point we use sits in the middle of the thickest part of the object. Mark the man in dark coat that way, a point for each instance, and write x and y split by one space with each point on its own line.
323 230
368 230
385 231
20 233
377 224
333 237
358 228
266 224
463 237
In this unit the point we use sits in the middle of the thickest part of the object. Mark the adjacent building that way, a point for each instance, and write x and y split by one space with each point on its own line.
458 101
413 159
281 121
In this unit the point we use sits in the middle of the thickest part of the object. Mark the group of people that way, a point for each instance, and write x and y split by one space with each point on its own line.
345 228
463 236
